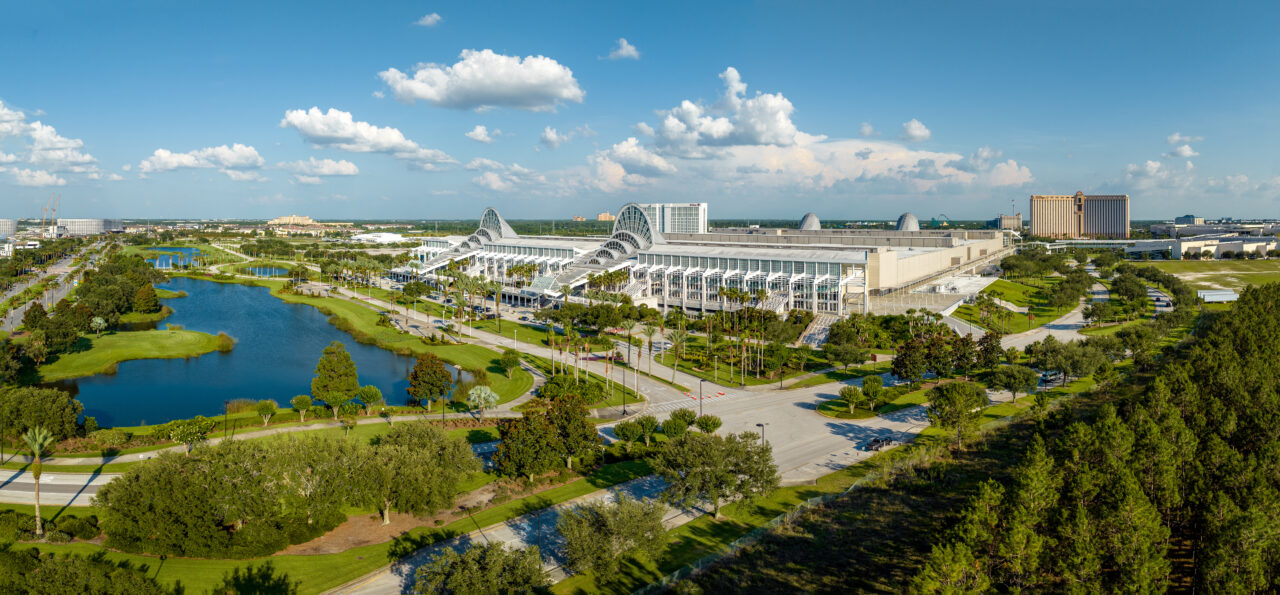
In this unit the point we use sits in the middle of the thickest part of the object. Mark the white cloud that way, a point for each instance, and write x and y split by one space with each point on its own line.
243 176
232 160
504 178
689 128
1009 173
624 50
481 134
36 177
866 129
1182 152
338 129
12 121
321 167
484 79
430 20
552 138
915 131
307 179
481 163
637 159
1178 138
379 94
7 158
109 177
126 167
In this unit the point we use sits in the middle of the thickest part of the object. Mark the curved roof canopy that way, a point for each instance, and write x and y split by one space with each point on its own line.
908 222
810 222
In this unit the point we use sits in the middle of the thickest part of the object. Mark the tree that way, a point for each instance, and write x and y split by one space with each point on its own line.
189 432
37 347
852 396
707 424
415 469
909 363
37 440
480 398
370 396
1019 378
336 381
145 300
872 386
627 431
702 468
429 380
490 568
844 354
575 435
954 406
647 425
265 409
989 351
685 415
599 535
509 361
98 325
674 427
35 317
529 446
301 404
261 578
951 569
56 411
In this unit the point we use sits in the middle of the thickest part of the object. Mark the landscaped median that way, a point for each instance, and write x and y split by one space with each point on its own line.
316 573
108 350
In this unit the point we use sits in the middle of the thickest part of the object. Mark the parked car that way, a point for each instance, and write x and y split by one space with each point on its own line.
875 444
524 318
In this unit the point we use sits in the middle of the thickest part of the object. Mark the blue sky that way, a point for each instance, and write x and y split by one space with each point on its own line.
848 109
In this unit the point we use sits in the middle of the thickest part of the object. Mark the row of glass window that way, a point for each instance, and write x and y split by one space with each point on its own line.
743 264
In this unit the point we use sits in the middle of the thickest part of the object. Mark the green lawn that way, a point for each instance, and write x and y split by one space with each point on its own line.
112 348
839 410
363 320
1018 294
1222 274
136 317
168 294
840 375
718 370
321 572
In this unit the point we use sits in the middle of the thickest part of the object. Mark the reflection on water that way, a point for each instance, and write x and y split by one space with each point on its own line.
172 256
265 271
275 358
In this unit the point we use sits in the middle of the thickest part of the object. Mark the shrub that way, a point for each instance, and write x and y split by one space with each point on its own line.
111 438
241 406
225 342
56 537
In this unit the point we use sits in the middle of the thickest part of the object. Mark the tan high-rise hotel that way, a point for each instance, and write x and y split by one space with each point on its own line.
1080 215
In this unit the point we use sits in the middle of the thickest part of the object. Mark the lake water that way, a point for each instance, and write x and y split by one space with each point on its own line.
275 358
183 255
265 271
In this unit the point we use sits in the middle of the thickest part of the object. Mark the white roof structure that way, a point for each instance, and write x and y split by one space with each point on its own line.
908 222
810 222
380 237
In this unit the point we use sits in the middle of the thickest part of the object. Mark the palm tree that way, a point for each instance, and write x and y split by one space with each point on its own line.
37 439
677 336
495 287
649 330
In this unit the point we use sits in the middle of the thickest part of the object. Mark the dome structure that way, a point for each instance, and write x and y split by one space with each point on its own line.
908 222
810 222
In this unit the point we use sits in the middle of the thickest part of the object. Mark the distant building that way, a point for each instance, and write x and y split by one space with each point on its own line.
579 218
605 216
8 227
907 222
1188 220
1013 222
292 220
88 227
810 222
1217 296
677 217
1080 215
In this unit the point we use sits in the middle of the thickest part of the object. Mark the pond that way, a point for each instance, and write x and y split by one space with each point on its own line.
275 358
172 256
264 271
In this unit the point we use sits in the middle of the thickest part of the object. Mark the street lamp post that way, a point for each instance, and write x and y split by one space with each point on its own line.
700 381
761 426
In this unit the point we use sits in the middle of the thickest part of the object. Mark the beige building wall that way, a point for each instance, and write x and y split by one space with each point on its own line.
888 269
1079 215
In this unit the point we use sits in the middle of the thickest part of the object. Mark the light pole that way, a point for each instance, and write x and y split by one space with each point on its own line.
761 426
700 381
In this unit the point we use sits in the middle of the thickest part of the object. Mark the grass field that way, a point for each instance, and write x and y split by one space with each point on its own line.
1018 294
321 572
112 348
1222 274
839 375
837 409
